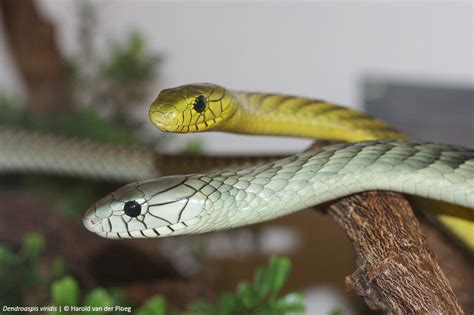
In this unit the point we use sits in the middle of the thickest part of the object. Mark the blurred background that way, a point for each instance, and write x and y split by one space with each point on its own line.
90 69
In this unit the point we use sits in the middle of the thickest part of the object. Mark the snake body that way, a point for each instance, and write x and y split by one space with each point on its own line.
261 113
220 200
28 152
207 107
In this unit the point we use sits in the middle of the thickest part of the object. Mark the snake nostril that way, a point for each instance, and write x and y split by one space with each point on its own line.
91 222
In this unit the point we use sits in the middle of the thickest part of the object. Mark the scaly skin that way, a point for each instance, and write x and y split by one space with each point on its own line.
220 200
263 114
28 152
260 113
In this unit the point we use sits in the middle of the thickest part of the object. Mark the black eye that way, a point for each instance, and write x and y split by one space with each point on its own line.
132 208
200 103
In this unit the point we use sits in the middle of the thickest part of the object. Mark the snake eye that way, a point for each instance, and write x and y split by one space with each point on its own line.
132 208
200 103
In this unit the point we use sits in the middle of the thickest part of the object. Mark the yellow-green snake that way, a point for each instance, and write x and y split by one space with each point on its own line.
235 197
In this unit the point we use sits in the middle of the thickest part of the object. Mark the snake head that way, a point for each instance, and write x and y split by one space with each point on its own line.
153 208
192 108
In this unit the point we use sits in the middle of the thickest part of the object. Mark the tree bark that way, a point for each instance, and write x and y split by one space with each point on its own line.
31 39
396 269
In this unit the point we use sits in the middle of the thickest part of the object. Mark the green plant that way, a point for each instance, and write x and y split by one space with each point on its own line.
66 297
193 147
156 306
129 61
12 109
19 275
127 76
19 271
262 297
68 124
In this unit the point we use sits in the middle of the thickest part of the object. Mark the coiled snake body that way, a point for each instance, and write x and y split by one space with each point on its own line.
235 197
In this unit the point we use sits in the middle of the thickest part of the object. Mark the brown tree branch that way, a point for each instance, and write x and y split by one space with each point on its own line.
396 270
31 39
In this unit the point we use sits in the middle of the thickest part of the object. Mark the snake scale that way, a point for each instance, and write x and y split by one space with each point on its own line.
240 196
28 152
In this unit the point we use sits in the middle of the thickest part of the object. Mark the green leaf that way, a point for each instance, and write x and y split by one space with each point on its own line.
193 147
58 267
98 128
5 255
247 295
119 297
279 269
12 109
228 302
65 291
255 299
262 281
33 244
154 306
98 298
264 309
292 302
202 308
129 60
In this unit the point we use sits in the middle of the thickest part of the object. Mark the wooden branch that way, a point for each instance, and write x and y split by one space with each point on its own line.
396 270
31 39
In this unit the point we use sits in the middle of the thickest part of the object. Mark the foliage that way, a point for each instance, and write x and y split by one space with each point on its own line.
105 88
120 79
66 293
12 109
155 306
258 298
19 271
126 76
193 147
19 275
69 124
116 125
130 61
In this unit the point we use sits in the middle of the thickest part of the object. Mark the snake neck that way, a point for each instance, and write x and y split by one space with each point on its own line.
273 114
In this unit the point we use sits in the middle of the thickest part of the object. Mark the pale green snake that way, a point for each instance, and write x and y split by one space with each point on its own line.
219 200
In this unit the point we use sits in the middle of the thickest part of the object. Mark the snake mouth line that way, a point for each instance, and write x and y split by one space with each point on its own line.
167 128
186 129
162 231
173 129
